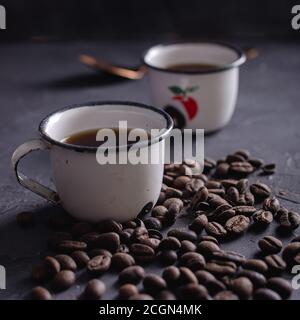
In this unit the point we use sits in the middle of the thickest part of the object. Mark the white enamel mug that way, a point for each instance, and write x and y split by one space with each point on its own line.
203 99
87 190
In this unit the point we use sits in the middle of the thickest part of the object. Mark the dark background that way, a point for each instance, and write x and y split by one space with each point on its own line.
69 19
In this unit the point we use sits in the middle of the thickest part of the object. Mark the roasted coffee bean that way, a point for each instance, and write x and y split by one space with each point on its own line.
159 211
155 234
173 193
240 169
227 183
168 257
81 258
168 180
68 246
221 268
226 295
153 283
237 224
122 260
81 228
187 246
265 294
289 220
258 280
222 213
215 201
244 210
40 293
109 241
246 199
171 275
99 264
242 286
192 260
229 256
193 291
242 185
186 276
170 243
260 191
123 248
262 217
139 233
181 181
125 236
133 223
109 225
209 164
57 237
141 296
209 238
183 234
275 264
99 252
127 290
281 286
25 219
215 229
200 196
66 262
269 245
89 238
142 253
290 251
133 275
193 186
150 242
199 223
219 192
256 162
52 265
204 277
153 223
173 204
222 170
269 168
296 259
234 158
63 280
94 289
212 184
207 248
165 295
40 273
271 204
255 265
243 153
232 195
281 210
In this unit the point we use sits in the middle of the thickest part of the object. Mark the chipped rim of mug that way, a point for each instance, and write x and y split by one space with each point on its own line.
145 143
241 58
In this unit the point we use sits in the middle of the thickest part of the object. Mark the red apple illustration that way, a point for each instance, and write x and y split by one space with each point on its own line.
189 103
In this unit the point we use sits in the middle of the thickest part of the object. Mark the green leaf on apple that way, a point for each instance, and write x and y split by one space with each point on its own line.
192 89
176 90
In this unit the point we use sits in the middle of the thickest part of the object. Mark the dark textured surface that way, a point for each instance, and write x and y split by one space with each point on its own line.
38 78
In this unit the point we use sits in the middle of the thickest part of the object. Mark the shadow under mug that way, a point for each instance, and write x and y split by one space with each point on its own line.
87 190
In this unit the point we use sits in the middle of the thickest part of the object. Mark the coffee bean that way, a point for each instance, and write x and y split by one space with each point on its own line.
168 180
265 294
244 153
165 295
99 252
281 286
215 229
275 264
133 223
159 212
271 204
234 158
255 265
132 274
260 191
269 245
212 184
240 169
232 195
142 252
40 273
192 260
256 162
204 277
246 199
52 265
222 170
215 201
40 293
123 248
226 295
66 262
207 248
193 291
181 181
122 260
153 223
127 290
258 280
173 193
57 237
81 228
68 246
183 234
63 280
209 238
168 257
200 196
227 183
173 205
237 224
229 256
290 251
193 186
209 164
171 275
269 168
219 192
262 217
170 243
243 287
187 246
289 220
141 296
89 238
186 276
221 268
242 185
199 223
244 210
94 289
81 258
25 219
98 265
153 283
109 241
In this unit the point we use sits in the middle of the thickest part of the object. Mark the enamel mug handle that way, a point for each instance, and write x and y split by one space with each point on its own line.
32 185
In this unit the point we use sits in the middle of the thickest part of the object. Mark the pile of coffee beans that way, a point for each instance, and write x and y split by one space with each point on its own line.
221 204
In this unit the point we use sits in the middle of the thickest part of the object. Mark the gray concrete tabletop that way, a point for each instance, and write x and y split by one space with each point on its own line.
37 78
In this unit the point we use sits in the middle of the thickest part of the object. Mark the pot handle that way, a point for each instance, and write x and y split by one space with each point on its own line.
30 184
